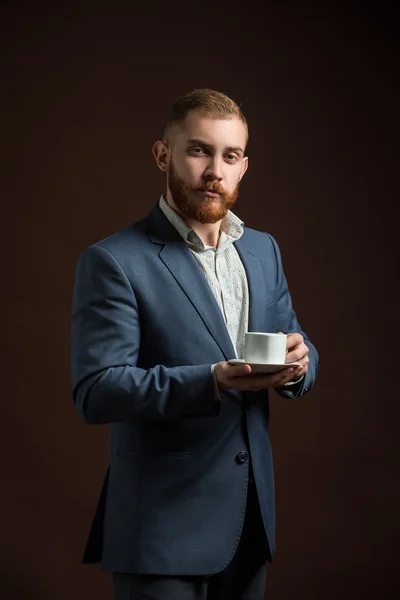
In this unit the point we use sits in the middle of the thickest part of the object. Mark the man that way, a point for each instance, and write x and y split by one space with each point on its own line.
187 507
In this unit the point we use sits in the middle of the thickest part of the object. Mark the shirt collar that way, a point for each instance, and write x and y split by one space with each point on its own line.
231 228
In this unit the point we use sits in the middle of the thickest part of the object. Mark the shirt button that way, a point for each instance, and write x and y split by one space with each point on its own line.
242 457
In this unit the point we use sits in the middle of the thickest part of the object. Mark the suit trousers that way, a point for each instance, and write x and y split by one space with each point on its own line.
243 579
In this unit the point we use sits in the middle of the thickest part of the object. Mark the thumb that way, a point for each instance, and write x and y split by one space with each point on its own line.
243 370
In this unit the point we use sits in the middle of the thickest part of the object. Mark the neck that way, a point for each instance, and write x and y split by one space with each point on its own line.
208 232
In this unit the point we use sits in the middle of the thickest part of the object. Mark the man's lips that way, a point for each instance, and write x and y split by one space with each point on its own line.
209 193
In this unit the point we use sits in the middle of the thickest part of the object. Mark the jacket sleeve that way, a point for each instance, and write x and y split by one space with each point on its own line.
287 323
107 385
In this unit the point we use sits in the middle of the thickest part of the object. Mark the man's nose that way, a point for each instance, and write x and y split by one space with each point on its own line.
213 170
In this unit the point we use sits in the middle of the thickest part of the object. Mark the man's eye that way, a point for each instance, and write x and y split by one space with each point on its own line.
197 150
231 157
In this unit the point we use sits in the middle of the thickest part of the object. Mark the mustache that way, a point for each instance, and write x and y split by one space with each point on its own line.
208 187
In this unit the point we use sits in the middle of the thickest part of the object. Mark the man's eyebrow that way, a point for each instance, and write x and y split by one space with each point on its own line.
201 142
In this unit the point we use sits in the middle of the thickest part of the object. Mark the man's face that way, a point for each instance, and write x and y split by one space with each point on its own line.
206 164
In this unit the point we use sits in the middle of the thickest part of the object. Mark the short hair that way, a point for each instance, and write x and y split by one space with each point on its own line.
211 103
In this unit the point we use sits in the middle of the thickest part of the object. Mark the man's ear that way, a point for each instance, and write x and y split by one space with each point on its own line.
161 153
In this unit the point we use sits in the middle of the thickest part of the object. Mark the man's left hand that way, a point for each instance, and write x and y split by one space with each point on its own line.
297 351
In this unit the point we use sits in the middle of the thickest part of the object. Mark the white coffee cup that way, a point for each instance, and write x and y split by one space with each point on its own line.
265 348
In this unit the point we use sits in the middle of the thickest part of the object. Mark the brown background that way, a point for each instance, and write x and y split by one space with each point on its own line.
86 92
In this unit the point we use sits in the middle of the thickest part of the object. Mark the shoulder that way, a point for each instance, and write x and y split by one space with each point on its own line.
121 244
259 241
119 252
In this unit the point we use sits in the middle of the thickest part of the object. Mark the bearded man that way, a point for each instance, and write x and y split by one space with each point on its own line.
186 511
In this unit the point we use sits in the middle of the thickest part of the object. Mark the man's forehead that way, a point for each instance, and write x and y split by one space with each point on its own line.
214 131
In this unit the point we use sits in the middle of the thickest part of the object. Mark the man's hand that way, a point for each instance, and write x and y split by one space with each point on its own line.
237 377
297 351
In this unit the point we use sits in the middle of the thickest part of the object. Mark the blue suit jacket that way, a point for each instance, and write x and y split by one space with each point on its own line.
145 331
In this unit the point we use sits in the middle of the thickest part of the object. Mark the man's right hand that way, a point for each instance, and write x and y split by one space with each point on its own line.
238 377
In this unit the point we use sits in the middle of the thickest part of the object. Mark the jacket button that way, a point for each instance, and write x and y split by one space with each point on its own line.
242 457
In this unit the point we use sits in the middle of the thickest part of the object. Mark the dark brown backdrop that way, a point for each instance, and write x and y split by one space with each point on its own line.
85 94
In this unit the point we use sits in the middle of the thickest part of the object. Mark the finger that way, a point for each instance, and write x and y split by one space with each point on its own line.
286 376
239 370
302 371
298 354
298 372
293 340
277 377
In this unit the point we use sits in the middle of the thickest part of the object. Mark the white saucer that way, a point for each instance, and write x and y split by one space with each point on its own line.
261 367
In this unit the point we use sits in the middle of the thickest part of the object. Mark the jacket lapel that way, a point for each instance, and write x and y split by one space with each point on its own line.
256 285
190 277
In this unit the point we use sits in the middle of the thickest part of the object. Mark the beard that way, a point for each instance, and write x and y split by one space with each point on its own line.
197 206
